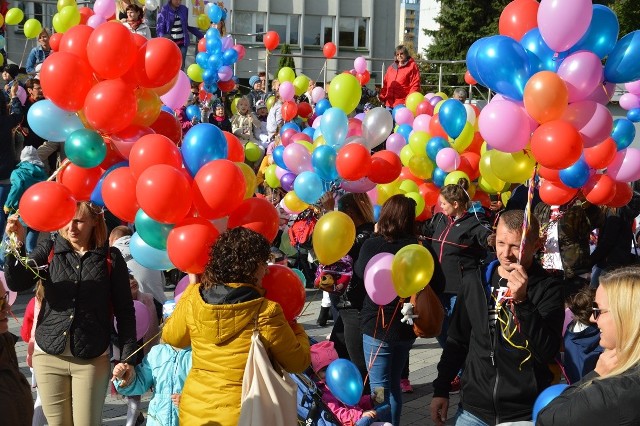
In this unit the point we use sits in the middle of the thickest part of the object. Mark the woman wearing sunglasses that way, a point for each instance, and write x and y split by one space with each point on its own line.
608 395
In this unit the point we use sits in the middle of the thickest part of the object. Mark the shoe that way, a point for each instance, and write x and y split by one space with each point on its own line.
455 386
323 317
405 386
140 419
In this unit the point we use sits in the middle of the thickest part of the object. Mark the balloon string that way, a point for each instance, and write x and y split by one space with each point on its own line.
24 51
142 346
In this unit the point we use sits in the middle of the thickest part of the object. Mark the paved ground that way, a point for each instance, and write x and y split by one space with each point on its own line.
423 359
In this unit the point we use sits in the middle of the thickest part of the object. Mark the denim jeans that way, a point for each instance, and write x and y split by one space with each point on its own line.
388 359
448 302
465 418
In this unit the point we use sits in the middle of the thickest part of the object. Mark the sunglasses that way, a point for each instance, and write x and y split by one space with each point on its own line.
597 312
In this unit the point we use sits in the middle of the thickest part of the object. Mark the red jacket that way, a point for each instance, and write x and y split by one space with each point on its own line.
27 322
399 81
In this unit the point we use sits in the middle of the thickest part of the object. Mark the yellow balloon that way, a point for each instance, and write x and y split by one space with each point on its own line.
345 92
443 95
270 176
514 167
63 3
252 152
70 16
195 73
413 100
1 21
483 148
418 142
504 197
286 74
407 185
490 183
249 178
270 101
421 166
484 186
58 24
455 176
293 203
14 16
465 138
333 237
436 109
411 269
301 84
234 105
319 141
415 196
306 144
203 22
32 28
388 190
472 190
406 153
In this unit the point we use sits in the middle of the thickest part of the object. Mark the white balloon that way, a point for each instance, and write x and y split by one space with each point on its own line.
377 125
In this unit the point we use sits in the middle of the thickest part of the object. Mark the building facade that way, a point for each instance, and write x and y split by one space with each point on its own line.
409 24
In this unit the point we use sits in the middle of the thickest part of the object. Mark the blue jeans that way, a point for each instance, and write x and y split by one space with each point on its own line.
386 371
448 302
465 418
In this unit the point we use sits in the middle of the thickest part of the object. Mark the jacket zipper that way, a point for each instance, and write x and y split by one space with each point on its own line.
493 336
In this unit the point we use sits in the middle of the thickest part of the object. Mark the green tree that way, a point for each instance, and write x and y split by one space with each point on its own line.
286 60
627 12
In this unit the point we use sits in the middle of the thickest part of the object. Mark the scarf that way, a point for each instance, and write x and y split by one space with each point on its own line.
134 24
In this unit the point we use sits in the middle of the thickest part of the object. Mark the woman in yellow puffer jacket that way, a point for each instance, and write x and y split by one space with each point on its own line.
217 318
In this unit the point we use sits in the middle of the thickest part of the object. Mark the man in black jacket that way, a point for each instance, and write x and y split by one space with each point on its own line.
504 333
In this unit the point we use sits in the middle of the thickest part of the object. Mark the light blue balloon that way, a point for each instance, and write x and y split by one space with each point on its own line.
503 65
202 59
308 187
278 157
52 123
623 133
602 34
453 117
623 63
546 396
434 146
289 125
404 130
148 256
576 175
541 56
323 160
344 381
334 126
202 143
215 14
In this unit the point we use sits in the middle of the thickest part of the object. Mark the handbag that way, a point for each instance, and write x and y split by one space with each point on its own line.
429 313
268 392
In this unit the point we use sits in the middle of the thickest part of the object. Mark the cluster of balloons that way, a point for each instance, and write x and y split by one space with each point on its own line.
630 101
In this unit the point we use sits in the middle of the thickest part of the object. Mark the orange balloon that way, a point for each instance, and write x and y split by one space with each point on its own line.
148 107
518 17
546 96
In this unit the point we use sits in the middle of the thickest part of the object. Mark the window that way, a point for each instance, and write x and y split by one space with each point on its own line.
248 23
353 32
318 30
286 26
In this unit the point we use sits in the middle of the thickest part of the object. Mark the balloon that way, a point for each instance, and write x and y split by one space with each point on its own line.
592 120
271 40
80 181
119 195
453 117
14 16
333 237
51 122
167 124
256 214
289 110
109 99
193 111
297 158
582 73
143 318
454 177
180 288
301 84
95 20
66 80
395 143
104 8
411 270
189 244
111 50
284 287
203 143
602 34
47 206
218 188
377 279
344 381
625 167
601 155
148 256
518 17
623 194
556 144
308 187
600 189
293 203
164 193
623 133
334 127
504 125
385 167
634 115
75 42
85 148
448 159
376 126
623 63
541 56
353 162
576 175
629 101
404 116
287 91
123 140
329 50
151 231
556 193
434 146
545 96
563 23
547 395
345 92
177 96
32 28
323 160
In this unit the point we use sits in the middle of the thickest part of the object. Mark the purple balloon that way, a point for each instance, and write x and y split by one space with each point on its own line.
358 186
377 279
95 20
582 73
181 287
227 42
434 100
225 73
287 181
395 143
143 319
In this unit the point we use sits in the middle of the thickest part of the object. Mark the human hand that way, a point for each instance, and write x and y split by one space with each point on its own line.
175 398
123 372
14 90
371 414
15 227
327 201
517 282
607 361
439 408
491 240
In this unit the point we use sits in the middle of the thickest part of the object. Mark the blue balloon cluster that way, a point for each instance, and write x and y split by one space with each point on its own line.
219 56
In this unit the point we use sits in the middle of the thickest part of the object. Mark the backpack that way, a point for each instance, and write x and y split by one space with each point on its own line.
429 311
335 278
301 230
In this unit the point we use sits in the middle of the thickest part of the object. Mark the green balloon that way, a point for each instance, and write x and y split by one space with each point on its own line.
151 231
252 152
85 148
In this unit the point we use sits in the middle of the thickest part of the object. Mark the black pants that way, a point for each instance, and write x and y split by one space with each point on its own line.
348 330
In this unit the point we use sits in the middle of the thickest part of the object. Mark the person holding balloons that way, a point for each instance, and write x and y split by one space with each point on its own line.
402 78
39 53
135 21
609 394
173 23
217 318
85 283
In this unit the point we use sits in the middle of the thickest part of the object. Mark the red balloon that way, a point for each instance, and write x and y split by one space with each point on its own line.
405 174
85 14
435 128
271 40
202 45
79 180
385 167
473 160
157 62
112 157
300 137
329 50
600 189
468 78
151 150
430 192
623 194
258 215
483 197
47 206
364 77
75 41
601 155
353 161
549 174
189 244
66 80
226 86
283 286
286 137
123 140
168 125
54 41
556 193
164 193
476 143
110 105
305 110
424 107
235 149
556 144
111 50
289 110
218 189
241 51
119 194
518 17
425 215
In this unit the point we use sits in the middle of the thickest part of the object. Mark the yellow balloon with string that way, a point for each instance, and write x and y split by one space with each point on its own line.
411 269
293 202
333 237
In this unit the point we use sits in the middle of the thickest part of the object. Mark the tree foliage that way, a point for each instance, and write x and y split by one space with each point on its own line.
286 60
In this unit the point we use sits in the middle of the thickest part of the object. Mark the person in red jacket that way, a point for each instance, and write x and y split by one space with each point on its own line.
402 78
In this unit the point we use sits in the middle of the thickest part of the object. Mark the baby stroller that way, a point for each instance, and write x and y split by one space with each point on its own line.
312 411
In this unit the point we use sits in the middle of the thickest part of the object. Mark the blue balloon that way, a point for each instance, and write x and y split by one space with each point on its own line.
202 143
503 65
278 156
308 187
323 160
309 131
215 13
214 62
395 109
602 34
453 117
229 57
404 130
472 65
213 45
634 115
212 33
52 123
210 76
344 381
576 175
148 256
334 126
541 56
623 63
322 106
192 111
438 177
202 59
211 87
434 146
623 132
168 109
289 125
546 396
376 212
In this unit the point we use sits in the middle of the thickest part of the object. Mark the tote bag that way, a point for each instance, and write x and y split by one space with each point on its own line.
268 393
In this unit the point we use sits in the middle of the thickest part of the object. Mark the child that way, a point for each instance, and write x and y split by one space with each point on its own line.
164 368
582 338
256 94
363 414
219 118
261 133
245 122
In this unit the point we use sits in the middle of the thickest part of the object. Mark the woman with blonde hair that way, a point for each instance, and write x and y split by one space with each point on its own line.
608 395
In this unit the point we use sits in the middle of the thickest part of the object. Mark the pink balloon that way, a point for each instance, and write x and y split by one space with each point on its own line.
95 20
12 294
178 95
625 167
562 23
629 101
429 95
104 8
421 123
404 116
241 51
180 288
377 279
591 119
317 94
448 159
355 127
281 172
505 126
582 73
360 64
225 73
358 186
287 91
286 136
602 94
395 142
633 87
297 158
143 319
22 94
373 196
